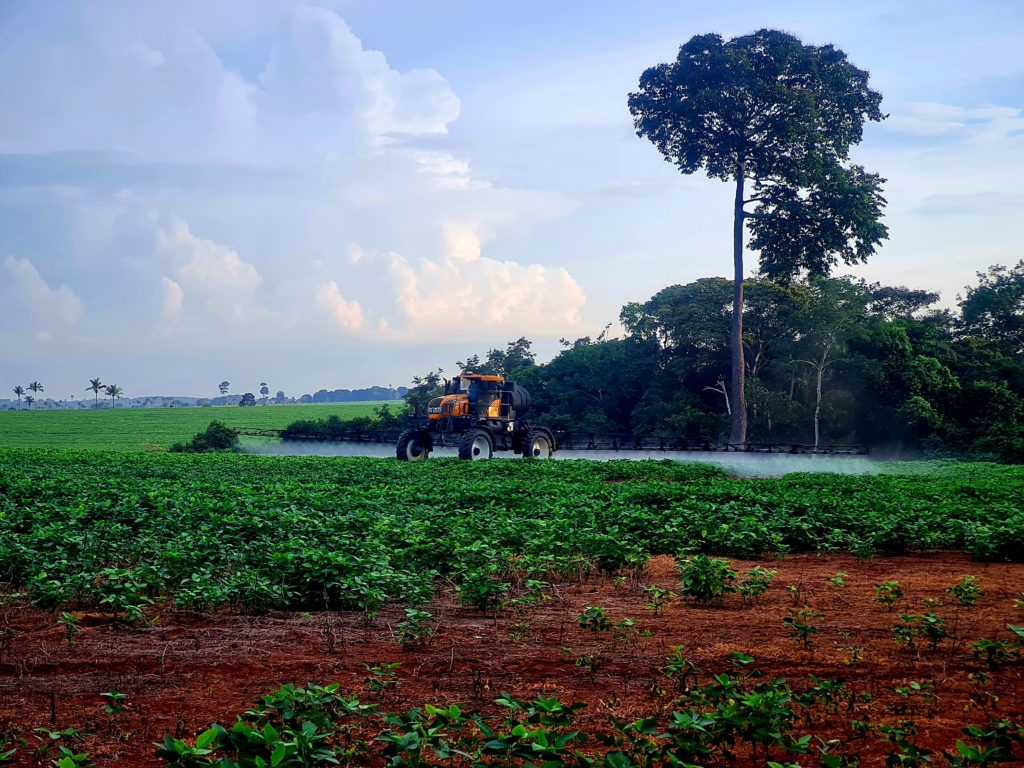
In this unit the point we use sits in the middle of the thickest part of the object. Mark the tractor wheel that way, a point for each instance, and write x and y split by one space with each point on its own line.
413 445
537 444
476 445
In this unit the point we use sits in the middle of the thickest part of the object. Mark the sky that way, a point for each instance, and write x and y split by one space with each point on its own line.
346 193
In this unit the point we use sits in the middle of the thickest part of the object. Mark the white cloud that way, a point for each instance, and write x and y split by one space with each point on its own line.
174 301
315 184
466 295
978 125
321 70
211 269
446 171
347 314
463 244
46 305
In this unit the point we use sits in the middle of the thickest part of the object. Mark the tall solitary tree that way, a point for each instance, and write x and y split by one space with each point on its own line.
767 109
264 391
36 388
95 385
19 391
113 392
224 386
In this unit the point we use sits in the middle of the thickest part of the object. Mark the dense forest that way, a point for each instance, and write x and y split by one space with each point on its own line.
828 360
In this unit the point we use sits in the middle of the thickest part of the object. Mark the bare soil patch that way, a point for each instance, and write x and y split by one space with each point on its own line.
187 670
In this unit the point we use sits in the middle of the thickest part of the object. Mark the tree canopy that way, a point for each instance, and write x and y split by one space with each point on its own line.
833 360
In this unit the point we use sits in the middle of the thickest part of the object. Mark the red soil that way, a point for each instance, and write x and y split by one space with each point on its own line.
188 670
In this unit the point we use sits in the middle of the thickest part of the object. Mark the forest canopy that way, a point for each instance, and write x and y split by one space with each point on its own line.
854 362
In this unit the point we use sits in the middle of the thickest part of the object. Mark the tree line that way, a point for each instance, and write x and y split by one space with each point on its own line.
827 361
113 391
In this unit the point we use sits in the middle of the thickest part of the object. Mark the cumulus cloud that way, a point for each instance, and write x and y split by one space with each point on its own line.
48 306
311 196
446 171
465 294
347 314
174 301
210 269
320 72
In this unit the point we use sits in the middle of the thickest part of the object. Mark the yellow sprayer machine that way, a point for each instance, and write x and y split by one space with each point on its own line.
481 414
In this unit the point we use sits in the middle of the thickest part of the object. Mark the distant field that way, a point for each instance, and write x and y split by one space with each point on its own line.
141 429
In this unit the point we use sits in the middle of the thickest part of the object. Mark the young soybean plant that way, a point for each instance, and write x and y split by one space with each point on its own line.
967 590
755 583
887 593
706 580
594 619
657 598
415 628
800 624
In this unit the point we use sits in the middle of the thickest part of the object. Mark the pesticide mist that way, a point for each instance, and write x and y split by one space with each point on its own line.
745 464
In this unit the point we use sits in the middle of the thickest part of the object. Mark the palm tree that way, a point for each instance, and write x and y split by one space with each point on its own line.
29 399
19 391
36 387
112 391
95 385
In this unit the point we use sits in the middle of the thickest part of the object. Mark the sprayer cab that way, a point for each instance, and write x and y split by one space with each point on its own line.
482 414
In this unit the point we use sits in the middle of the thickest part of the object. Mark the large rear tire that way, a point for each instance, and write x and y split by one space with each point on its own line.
537 444
476 445
414 445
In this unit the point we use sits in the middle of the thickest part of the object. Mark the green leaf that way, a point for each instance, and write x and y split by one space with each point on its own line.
206 738
278 754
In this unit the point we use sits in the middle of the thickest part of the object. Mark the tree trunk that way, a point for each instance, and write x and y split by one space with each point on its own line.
738 432
817 404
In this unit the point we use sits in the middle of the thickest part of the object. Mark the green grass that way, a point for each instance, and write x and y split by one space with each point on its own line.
142 429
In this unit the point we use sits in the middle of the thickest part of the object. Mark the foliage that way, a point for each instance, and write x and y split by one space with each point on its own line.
382 420
216 437
415 628
656 598
994 308
719 722
914 626
887 593
249 533
967 590
706 580
766 108
801 626
894 373
755 583
594 619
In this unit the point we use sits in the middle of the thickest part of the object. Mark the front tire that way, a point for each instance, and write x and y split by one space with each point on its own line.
414 445
476 445
538 444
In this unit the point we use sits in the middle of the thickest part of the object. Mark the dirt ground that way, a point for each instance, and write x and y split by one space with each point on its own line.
187 670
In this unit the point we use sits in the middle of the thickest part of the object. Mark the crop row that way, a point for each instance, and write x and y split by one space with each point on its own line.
723 718
247 532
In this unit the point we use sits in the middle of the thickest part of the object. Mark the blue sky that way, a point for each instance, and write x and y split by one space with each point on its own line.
349 193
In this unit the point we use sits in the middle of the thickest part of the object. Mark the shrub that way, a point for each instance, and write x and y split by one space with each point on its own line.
216 437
